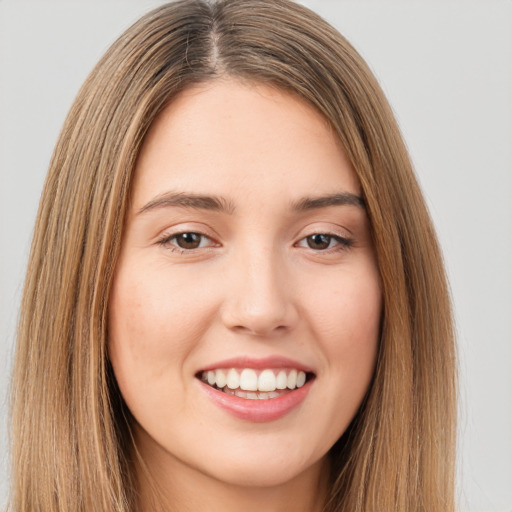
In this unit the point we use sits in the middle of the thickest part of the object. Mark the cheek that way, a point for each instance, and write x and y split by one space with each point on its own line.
152 328
346 319
345 311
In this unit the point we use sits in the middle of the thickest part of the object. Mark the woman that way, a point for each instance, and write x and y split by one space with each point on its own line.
231 215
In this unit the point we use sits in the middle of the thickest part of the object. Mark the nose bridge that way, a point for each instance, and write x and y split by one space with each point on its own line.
260 300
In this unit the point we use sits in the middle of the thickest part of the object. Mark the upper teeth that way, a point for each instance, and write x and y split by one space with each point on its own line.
249 380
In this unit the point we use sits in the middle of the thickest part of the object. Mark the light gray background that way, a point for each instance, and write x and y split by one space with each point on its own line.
447 69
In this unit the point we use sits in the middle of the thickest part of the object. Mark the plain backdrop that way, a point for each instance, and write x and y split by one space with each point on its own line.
446 67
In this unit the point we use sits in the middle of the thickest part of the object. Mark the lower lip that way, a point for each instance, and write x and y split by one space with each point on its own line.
258 411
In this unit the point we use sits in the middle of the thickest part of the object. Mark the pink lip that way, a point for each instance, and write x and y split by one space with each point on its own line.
258 364
257 411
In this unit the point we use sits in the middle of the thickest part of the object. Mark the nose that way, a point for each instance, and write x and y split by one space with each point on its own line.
260 299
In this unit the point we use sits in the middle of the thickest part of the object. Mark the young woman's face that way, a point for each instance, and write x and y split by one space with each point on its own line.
247 265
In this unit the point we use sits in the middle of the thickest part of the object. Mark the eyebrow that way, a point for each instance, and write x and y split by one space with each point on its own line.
189 200
220 204
341 199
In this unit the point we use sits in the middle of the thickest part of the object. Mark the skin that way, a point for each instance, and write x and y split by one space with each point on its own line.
254 287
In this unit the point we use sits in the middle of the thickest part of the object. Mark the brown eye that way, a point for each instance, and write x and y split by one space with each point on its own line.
188 240
323 242
319 241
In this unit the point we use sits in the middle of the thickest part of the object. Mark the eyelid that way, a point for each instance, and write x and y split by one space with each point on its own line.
172 232
324 228
344 236
343 243
167 243
187 227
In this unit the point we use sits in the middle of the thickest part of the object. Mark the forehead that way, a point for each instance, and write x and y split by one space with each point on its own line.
229 138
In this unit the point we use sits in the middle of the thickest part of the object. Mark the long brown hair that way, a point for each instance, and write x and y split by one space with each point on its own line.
70 429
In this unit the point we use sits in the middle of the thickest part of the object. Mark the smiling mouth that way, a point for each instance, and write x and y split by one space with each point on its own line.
255 384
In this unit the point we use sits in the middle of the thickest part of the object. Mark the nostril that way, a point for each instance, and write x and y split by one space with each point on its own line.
260 329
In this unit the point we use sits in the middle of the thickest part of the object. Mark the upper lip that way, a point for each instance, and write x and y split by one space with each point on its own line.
258 363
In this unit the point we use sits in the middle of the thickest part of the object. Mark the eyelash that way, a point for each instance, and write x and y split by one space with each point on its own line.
166 242
342 243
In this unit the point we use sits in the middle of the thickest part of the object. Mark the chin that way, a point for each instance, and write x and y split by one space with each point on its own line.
260 471
260 477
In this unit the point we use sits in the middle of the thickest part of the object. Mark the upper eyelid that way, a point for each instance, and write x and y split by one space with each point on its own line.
186 227
166 242
170 236
341 240
336 231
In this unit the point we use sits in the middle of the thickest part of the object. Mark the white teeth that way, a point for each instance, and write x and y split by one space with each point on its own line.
233 379
281 380
248 384
292 379
267 381
220 378
248 380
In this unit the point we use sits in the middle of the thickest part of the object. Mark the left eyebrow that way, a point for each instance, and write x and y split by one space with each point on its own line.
342 199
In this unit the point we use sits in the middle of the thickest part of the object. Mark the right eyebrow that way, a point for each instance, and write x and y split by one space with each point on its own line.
189 200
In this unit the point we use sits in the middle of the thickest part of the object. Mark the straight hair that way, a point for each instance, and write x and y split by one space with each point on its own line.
72 448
